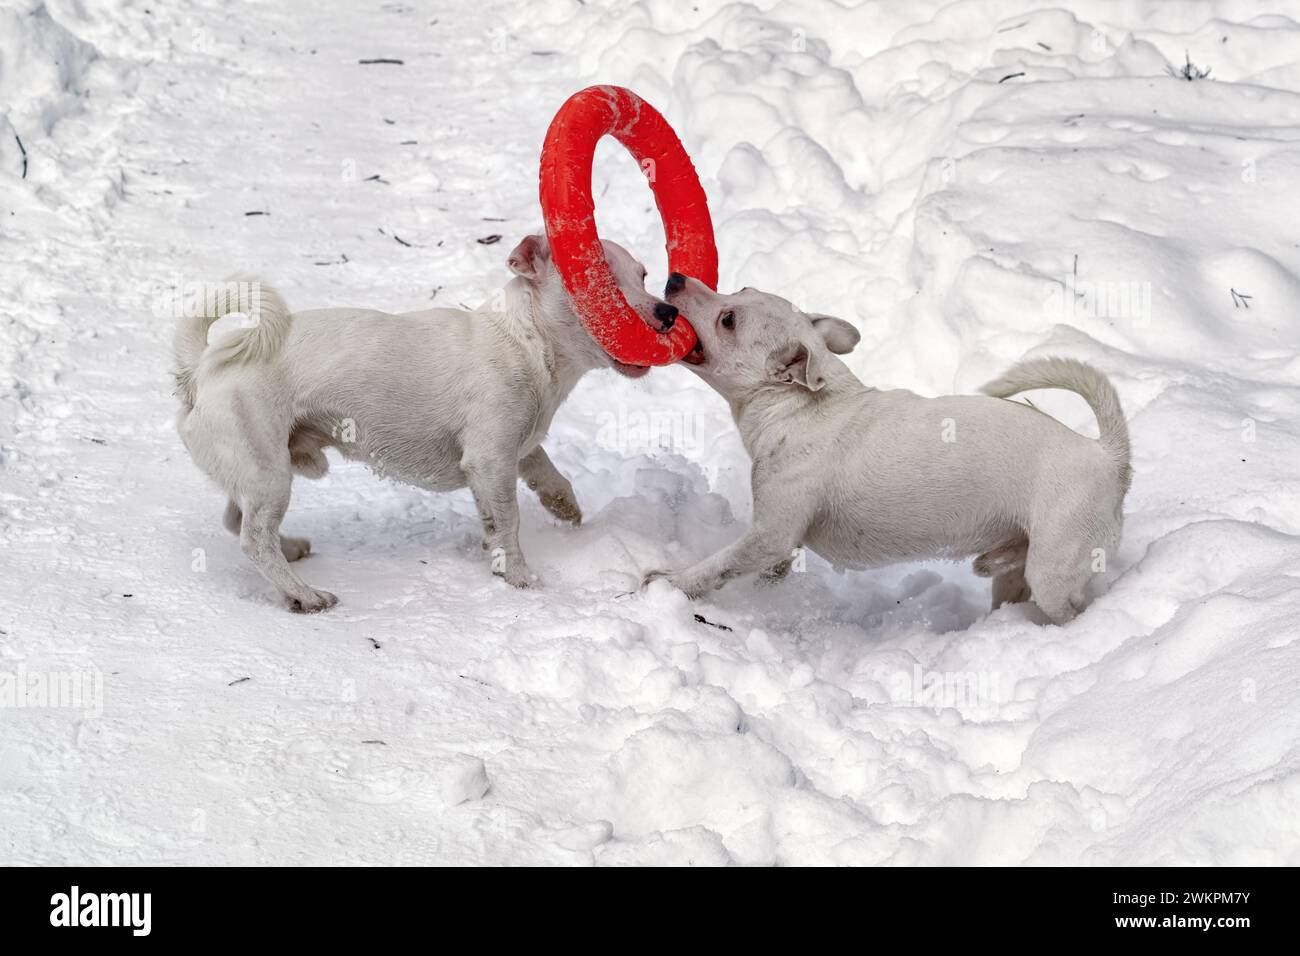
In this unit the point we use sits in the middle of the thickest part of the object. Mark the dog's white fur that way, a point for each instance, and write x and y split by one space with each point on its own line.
866 477
441 399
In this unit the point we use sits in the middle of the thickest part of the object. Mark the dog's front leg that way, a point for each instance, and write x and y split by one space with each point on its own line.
552 488
493 480
762 547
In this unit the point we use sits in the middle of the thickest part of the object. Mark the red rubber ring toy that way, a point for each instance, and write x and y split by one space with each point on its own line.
571 227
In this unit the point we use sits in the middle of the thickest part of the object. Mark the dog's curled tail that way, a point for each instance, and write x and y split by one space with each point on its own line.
267 325
1082 379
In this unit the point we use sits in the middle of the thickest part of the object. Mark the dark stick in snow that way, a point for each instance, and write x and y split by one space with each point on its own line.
700 619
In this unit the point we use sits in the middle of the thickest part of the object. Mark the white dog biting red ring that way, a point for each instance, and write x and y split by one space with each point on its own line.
571 228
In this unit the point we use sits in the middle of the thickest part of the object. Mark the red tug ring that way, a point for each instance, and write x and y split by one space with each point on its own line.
571 228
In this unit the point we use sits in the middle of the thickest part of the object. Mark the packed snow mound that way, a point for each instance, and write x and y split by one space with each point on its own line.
970 183
42 64
42 77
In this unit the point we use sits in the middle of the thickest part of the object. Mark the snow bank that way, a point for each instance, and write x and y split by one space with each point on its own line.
42 76
43 64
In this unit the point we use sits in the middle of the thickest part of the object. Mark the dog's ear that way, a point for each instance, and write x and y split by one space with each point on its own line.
839 336
795 364
529 257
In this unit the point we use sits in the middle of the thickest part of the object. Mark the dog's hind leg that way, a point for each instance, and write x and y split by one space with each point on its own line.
1005 564
293 548
264 498
1010 587
237 441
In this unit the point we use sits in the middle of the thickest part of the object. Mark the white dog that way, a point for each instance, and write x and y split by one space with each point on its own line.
441 399
866 478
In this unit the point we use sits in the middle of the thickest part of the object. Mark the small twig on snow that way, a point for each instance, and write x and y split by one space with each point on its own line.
1190 70
700 619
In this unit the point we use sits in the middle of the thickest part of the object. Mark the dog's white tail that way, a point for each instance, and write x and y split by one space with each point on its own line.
268 326
1084 380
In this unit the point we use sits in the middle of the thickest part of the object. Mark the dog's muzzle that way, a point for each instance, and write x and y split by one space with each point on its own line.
666 314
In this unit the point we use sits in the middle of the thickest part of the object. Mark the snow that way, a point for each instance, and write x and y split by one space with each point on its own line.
882 162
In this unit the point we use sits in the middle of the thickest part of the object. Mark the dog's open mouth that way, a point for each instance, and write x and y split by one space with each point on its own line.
696 355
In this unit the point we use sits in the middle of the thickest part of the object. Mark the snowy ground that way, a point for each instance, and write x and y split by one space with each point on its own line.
969 183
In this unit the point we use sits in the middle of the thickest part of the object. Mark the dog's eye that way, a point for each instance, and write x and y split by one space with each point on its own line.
728 320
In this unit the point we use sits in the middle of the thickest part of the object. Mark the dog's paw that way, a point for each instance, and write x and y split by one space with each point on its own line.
680 580
563 505
651 576
311 603
295 548
516 572
520 578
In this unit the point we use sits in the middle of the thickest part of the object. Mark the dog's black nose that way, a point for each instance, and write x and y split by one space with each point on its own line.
676 282
666 314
